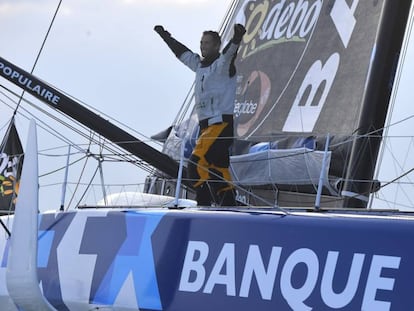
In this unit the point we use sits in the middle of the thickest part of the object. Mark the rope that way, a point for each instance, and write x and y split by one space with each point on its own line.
40 51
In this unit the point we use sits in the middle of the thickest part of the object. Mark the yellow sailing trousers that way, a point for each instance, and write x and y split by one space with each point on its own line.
210 159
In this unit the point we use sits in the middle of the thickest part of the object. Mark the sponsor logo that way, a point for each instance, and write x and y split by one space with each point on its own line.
28 84
269 24
280 272
245 108
254 94
284 21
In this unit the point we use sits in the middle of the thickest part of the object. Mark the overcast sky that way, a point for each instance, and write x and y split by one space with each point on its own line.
106 54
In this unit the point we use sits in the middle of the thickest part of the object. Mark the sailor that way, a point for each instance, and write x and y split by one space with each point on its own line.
215 91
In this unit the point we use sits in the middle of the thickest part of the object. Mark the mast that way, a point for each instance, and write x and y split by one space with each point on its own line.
55 99
368 137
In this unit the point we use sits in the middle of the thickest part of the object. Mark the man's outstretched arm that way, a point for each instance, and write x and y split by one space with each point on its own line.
177 47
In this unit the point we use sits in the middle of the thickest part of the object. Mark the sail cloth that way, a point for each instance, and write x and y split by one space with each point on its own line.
303 65
11 162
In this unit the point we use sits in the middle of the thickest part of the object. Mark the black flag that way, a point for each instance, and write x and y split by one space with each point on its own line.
11 162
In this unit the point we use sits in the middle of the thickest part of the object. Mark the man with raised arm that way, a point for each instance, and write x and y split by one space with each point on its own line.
215 91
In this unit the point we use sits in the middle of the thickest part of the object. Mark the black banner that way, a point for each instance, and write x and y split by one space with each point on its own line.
11 162
303 65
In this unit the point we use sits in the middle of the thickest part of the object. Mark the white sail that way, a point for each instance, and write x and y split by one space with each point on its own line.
395 166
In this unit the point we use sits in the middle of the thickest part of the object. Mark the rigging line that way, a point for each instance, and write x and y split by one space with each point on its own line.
228 16
390 150
87 187
45 126
103 114
397 178
397 80
115 149
92 134
79 124
96 184
397 205
185 105
5 227
61 137
350 137
125 158
4 125
40 51
101 173
57 155
77 184
65 124
277 157
63 167
235 185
